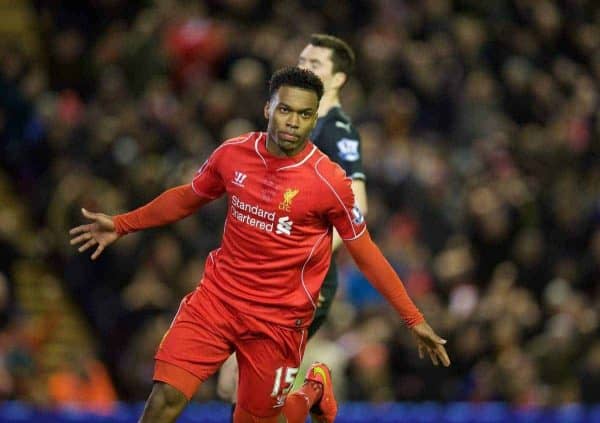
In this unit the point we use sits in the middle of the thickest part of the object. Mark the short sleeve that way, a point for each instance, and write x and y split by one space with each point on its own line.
208 181
341 208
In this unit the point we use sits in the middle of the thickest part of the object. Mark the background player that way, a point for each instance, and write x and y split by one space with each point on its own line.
255 301
332 60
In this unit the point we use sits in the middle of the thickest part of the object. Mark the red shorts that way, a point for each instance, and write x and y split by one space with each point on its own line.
203 335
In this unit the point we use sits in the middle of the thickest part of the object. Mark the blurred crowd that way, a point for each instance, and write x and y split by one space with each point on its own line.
481 135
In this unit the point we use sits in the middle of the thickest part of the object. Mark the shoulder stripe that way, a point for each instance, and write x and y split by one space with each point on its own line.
233 141
335 194
256 148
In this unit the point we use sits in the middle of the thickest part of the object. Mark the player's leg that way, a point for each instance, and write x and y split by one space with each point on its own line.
315 396
228 376
194 347
268 364
164 404
268 359
228 381
173 388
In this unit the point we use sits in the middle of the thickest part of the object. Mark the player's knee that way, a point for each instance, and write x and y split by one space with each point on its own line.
226 389
228 380
173 398
165 403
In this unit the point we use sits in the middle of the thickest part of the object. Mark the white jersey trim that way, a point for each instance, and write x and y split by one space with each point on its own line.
194 188
178 310
304 267
301 162
300 346
225 144
256 148
357 236
233 141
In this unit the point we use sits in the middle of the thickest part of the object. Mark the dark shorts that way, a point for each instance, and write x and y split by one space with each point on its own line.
328 290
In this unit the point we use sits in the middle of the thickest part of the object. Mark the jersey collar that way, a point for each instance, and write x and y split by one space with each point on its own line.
285 162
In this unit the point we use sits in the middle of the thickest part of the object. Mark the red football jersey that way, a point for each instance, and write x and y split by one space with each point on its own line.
276 244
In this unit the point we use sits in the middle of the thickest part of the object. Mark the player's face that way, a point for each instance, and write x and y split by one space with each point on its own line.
318 60
292 114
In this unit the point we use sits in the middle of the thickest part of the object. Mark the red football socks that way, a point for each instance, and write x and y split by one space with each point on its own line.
298 403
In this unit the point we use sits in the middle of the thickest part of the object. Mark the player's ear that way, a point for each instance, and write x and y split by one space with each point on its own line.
266 110
314 123
339 79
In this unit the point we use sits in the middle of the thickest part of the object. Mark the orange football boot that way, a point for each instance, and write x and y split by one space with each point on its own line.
325 409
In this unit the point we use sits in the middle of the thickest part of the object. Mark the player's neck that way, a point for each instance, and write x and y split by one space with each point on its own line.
276 151
328 102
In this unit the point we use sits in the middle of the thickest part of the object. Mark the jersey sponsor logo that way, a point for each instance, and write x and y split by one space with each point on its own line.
348 149
252 214
288 196
259 218
284 226
343 125
239 178
358 217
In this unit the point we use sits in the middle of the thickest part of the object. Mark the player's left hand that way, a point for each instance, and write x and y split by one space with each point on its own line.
428 341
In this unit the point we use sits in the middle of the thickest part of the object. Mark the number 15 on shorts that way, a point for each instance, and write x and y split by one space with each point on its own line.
284 379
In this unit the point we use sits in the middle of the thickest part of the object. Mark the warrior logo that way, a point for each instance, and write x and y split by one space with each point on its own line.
239 178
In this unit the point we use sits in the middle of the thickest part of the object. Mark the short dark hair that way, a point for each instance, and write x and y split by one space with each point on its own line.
342 55
293 76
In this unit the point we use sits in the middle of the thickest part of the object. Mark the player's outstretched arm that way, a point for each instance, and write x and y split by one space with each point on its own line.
171 206
382 276
100 232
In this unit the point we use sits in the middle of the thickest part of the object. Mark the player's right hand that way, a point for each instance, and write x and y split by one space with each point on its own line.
100 232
